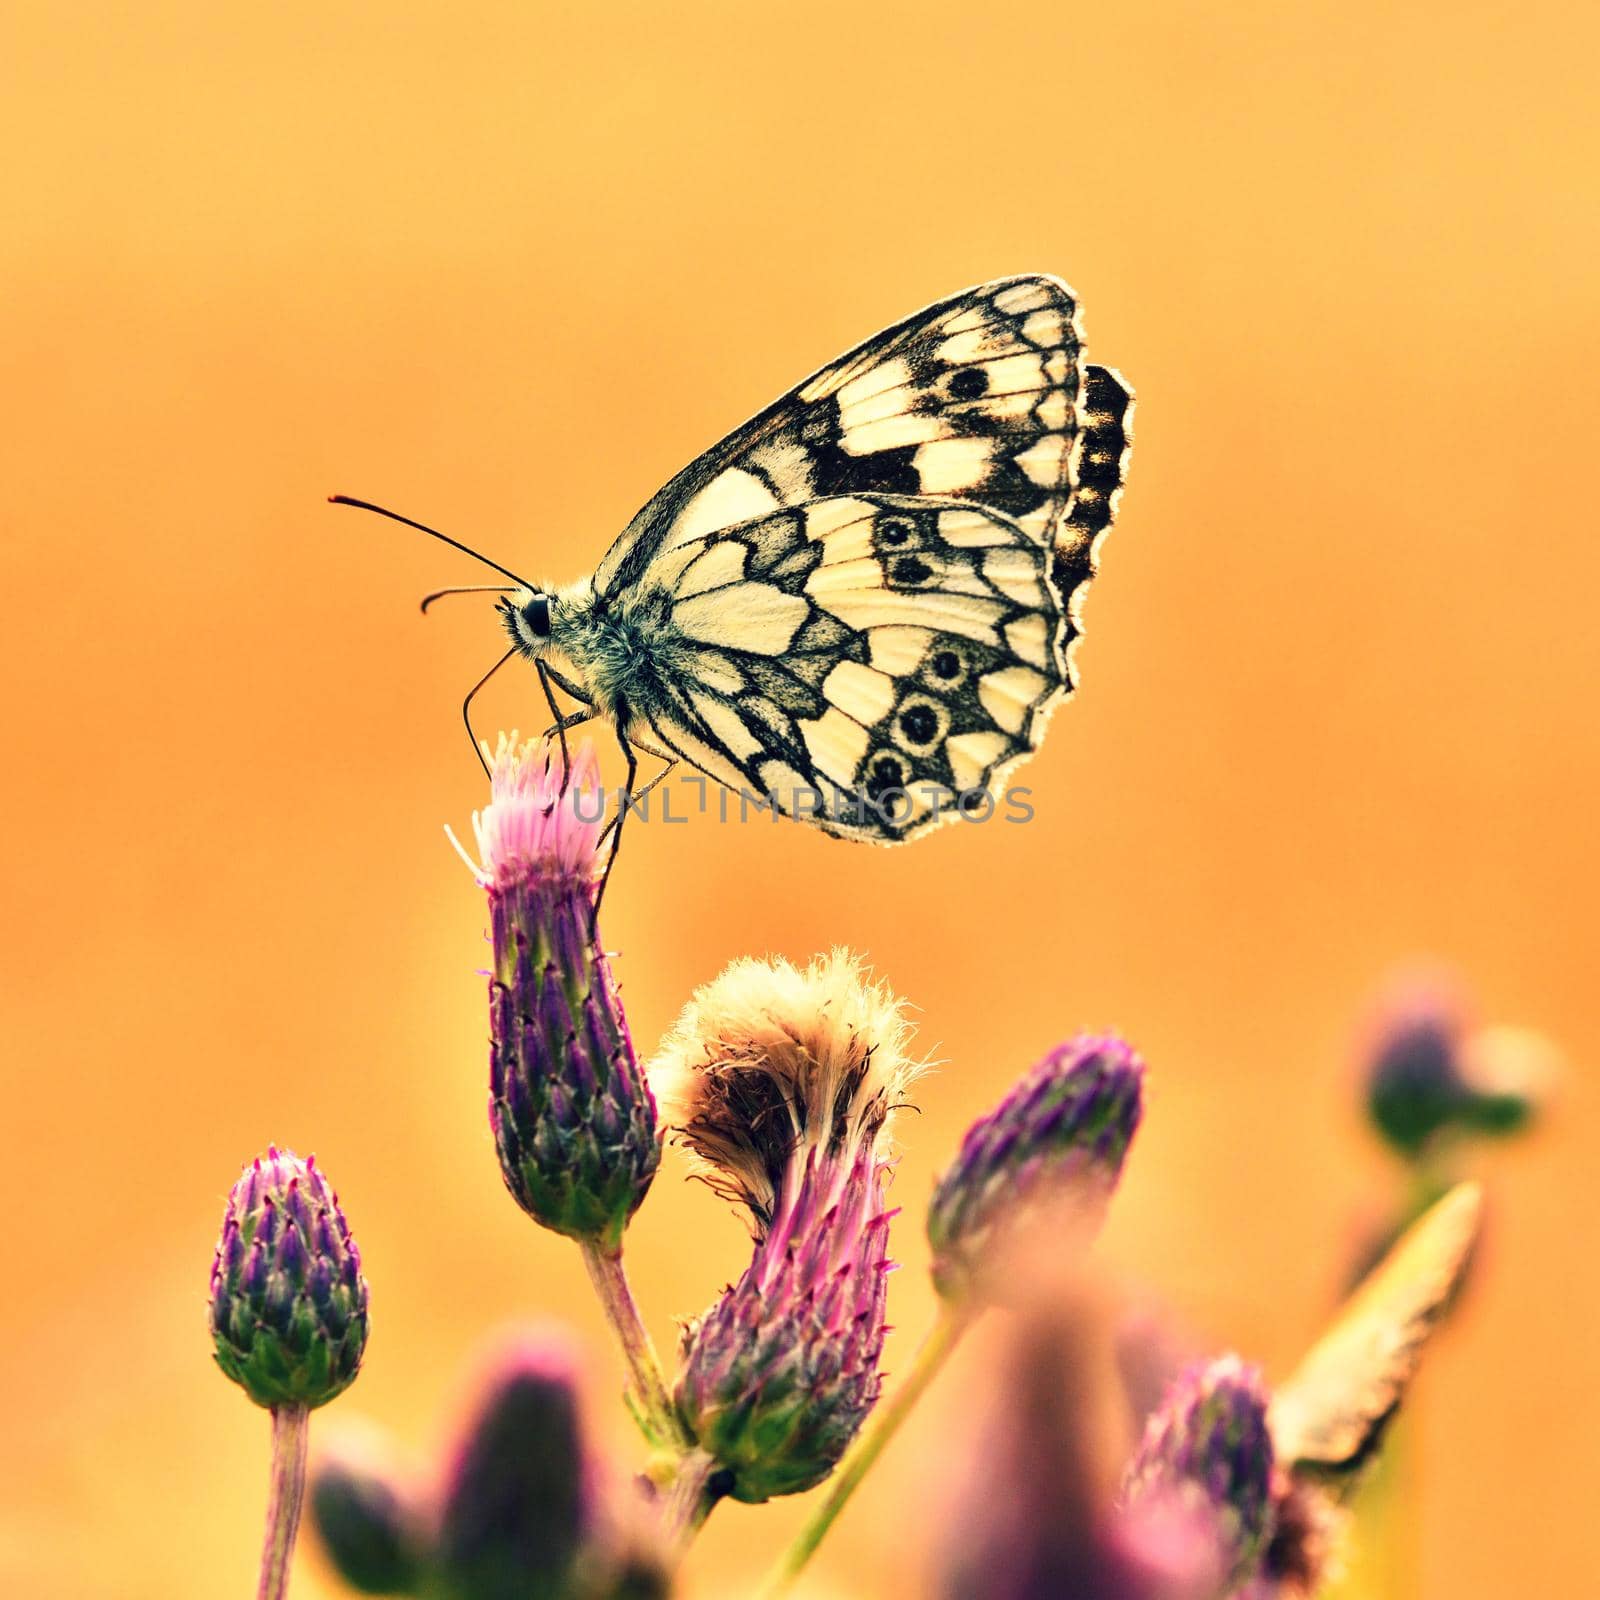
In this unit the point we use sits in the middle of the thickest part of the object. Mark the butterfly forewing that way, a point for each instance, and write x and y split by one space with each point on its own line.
977 398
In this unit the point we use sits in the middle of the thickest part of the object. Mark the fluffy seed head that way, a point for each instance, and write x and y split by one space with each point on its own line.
770 1061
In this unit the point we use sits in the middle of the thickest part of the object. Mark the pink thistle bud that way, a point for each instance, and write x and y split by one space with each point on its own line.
574 1121
782 1083
288 1302
1053 1149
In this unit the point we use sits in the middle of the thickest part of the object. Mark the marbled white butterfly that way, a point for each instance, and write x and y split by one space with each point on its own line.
863 602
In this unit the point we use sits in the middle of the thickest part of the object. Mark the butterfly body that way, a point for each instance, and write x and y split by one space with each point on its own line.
860 605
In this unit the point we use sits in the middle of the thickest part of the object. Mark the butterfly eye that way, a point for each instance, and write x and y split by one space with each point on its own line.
945 666
537 615
896 532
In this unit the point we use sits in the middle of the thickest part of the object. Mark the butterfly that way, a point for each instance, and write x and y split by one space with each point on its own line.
1329 1417
860 606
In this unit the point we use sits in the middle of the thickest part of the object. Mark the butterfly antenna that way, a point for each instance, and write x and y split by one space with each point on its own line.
463 588
422 527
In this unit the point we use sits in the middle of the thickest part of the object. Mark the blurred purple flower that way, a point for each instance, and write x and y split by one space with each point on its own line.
1035 1517
518 1500
1054 1147
1207 1448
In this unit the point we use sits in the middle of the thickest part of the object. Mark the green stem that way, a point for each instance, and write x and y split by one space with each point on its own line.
689 1499
941 1339
644 1366
290 1427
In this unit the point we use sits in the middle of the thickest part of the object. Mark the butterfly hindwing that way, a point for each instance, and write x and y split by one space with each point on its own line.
1329 1416
873 661
980 397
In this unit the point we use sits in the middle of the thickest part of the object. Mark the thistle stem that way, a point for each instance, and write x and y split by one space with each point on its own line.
690 1497
644 1366
290 1428
942 1338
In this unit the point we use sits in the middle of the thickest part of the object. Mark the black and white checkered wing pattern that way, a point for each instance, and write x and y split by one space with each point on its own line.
984 398
871 661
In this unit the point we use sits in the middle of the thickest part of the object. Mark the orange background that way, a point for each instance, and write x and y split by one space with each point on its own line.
506 268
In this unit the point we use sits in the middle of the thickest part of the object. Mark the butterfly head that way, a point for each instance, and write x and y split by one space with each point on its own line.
526 615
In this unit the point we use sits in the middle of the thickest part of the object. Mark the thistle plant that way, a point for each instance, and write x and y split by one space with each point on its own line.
1034 1512
288 1321
573 1118
783 1083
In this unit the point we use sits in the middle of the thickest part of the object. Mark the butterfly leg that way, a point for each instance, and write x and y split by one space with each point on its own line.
616 827
548 676
466 707
627 799
633 799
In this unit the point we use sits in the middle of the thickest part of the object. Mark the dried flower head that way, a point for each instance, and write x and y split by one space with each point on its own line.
1208 1446
288 1302
574 1121
782 1082
1053 1147
769 1060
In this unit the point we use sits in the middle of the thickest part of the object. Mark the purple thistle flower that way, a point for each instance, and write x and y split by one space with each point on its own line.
517 1505
288 1302
1054 1145
574 1121
783 1082
1207 1449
